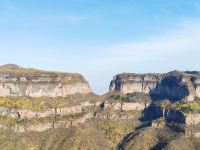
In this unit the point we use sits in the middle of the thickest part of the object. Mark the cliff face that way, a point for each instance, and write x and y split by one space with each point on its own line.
176 86
129 82
173 85
17 81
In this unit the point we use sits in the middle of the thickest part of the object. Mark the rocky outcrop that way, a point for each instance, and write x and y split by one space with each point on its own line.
39 127
17 81
115 117
173 115
129 82
28 114
192 119
178 85
17 113
27 120
133 106
125 106
173 85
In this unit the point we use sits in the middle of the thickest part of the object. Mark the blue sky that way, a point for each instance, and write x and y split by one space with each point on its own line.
100 38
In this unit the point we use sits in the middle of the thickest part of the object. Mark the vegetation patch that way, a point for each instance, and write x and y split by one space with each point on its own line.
21 102
11 121
116 130
44 103
130 97
182 106
183 143
15 71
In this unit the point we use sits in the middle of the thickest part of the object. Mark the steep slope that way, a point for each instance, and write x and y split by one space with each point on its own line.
174 85
131 82
132 116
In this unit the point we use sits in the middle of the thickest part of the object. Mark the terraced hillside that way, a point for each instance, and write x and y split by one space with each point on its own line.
42 110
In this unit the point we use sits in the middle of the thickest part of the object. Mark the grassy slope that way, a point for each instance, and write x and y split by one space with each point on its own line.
98 135
17 71
95 134
44 103
182 106
183 143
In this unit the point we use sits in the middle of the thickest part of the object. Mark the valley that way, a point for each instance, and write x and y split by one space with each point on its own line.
41 110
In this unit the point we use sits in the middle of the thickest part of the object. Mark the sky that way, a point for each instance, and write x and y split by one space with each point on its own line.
101 38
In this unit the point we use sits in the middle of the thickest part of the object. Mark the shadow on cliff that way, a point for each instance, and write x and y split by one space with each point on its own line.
149 114
171 88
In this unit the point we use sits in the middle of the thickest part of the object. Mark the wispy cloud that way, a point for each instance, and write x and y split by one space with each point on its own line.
177 48
184 38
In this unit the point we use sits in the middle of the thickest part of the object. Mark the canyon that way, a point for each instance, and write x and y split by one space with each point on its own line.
55 110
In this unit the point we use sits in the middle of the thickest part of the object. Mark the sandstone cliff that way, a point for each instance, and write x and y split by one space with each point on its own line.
173 85
120 119
17 81
130 82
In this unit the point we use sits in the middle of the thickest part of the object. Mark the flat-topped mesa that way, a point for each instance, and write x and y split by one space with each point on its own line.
131 82
174 85
18 81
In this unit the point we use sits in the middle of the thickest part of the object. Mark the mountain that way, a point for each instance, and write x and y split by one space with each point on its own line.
172 118
174 85
18 81
42 110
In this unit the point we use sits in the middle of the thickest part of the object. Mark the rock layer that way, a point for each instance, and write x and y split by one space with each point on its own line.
173 85
130 82
17 81
17 113
39 127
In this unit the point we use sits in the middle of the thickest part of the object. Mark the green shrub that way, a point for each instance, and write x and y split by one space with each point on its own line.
183 106
131 97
